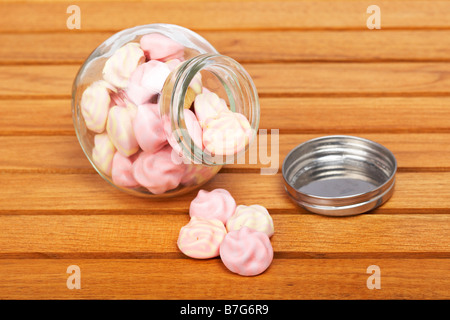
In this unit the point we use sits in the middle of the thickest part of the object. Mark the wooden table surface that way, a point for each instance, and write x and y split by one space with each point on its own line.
319 70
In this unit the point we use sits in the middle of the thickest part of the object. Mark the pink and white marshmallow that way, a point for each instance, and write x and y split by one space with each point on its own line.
120 130
147 81
157 172
246 251
95 103
103 152
148 128
227 134
119 67
208 105
201 238
216 204
121 173
159 47
255 217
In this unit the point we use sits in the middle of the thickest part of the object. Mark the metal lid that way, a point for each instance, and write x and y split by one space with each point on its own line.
339 175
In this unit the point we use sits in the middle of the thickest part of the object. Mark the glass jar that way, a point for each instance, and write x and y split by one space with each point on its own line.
189 165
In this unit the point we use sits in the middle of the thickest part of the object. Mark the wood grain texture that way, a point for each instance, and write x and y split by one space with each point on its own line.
274 79
424 192
155 235
249 46
414 152
172 278
330 115
220 15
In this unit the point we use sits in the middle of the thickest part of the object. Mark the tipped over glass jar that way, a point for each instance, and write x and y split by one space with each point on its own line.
158 111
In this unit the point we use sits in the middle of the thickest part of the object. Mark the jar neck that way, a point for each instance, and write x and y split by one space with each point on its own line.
235 84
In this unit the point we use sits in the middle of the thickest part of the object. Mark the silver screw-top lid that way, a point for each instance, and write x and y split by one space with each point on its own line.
339 175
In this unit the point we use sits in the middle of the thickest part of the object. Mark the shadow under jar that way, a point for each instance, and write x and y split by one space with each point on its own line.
145 136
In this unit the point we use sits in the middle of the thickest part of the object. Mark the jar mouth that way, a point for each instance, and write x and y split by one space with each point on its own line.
237 87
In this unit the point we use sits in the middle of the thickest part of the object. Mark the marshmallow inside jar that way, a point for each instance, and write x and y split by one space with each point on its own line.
173 109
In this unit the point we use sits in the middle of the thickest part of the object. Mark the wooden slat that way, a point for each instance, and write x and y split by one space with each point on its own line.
63 154
375 79
298 279
31 116
219 15
299 79
307 115
372 114
155 235
250 46
34 193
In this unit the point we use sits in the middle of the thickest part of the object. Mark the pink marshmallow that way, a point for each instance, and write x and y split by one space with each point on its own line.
157 172
217 204
148 128
246 251
146 81
121 170
159 47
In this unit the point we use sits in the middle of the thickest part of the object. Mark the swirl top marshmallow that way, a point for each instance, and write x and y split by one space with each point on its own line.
95 103
216 204
159 47
227 134
148 128
255 217
201 238
120 129
157 172
119 67
121 170
146 81
246 251
208 105
103 152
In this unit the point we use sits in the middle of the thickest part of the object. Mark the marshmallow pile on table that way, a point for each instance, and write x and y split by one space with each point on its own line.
240 235
122 109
